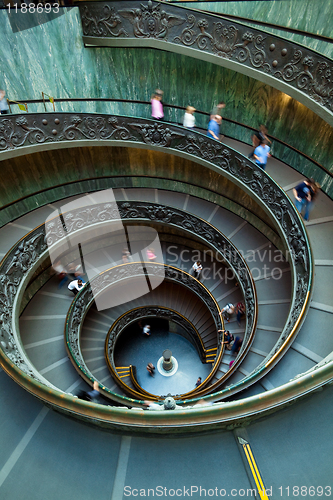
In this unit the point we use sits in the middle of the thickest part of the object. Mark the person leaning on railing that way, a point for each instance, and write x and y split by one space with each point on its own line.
75 286
228 339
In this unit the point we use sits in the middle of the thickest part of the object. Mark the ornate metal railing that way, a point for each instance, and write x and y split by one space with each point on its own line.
170 315
114 277
155 213
215 239
281 150
161 312
61 130
167 215
292 68
20 262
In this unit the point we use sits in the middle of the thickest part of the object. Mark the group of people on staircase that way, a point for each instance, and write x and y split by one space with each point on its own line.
229 309
71 273
232 343
304 193
260 140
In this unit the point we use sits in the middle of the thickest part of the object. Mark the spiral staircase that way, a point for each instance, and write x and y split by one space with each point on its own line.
274 397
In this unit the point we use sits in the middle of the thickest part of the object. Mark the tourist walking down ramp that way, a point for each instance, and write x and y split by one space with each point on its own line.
189 118
4 108
302 194
214 127
156 105
217 110
261 154
258 137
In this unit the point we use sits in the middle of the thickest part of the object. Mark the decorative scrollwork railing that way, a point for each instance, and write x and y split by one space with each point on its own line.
160 312
215 239
61 130
18 264
156 213
21 261
292 68
233 129
114 277
156 312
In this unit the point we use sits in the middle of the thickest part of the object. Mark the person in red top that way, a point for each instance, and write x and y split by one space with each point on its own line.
240 311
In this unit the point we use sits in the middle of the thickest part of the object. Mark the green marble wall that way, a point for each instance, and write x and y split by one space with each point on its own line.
40 178
52 58
314 16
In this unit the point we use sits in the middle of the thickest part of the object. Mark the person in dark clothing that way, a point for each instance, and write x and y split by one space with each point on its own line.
228 339
240 310
258 138
198 382
90 395
151 369
314 189
237 345
302 193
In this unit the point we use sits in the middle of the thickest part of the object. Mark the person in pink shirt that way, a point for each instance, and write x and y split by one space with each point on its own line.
151 255
156 105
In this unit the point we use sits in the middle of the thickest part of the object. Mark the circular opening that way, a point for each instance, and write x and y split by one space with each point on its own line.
135 348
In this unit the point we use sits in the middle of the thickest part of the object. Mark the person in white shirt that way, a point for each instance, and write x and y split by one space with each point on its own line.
197 268
189 118
146 330
75 286
228 311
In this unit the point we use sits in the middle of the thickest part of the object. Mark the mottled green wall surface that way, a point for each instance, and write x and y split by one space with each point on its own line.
33 180
53 59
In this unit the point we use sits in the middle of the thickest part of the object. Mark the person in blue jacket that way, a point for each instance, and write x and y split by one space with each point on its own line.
261 153
214 127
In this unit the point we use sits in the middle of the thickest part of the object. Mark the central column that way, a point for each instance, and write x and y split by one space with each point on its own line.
167 360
